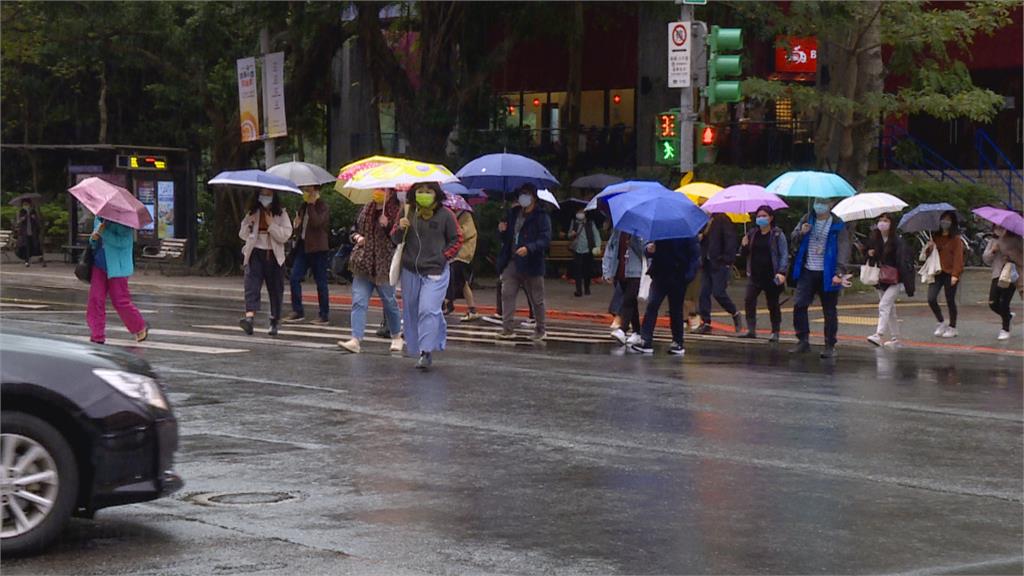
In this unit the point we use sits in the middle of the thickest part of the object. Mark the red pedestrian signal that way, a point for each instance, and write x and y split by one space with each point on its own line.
707 136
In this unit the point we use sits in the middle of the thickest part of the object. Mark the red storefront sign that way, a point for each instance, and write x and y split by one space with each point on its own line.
796 54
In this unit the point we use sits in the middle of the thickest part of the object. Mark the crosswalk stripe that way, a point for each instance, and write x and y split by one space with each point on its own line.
23 306
166 346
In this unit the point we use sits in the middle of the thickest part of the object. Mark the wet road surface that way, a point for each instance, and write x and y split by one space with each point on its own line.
568 457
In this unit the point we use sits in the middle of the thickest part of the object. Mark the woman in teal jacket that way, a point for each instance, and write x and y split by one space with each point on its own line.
113 264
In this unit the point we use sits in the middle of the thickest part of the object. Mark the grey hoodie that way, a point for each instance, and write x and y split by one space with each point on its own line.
429 244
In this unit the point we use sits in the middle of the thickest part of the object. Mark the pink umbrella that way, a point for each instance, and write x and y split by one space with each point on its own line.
111 202
456 203
743 199
1008 219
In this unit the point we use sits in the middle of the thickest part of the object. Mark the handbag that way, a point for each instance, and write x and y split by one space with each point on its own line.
645 282
1006 275
932 266
83 270
889 275
395 272
869 274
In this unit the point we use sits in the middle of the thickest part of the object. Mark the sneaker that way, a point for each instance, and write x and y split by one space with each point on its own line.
875 339
539 336
294 317
940 328
676 349
748 334
692 323
27 264
802 347
950 332
469 317
616 324
245 323
577 294
1003 335
383 331
506 335
397 344
100 342
493 319
828 353
642 348
141 335
704 328
619 335
634 338
424 362
893 344
774 338
737 321
319 322
528 323
272 331
350 345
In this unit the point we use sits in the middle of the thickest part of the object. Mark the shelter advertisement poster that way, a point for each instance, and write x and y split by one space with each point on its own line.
165 209
273 95
146 194
248 103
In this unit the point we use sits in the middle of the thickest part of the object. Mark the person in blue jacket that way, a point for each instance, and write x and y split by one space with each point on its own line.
673 265
818 269
113 247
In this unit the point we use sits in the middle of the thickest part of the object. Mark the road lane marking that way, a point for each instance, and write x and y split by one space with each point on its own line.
23 306
165 346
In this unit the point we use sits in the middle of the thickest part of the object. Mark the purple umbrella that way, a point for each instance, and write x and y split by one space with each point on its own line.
743 199
111 202
1008 219
456 203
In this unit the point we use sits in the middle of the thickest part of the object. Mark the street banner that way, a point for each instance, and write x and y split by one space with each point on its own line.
273 95
248 104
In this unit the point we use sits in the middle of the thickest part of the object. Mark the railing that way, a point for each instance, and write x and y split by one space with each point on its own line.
931 163
1008 175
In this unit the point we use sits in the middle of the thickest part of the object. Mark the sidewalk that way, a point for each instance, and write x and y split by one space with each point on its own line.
977 324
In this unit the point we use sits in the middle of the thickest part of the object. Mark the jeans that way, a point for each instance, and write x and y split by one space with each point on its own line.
714 284
424 323
676 292
615 306
943 280
888 323
96 311
511 282
771 296
301 263
362 289
630 309
999 301
809 285
264 269
582 270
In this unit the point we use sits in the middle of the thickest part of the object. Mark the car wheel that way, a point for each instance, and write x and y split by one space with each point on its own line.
38 483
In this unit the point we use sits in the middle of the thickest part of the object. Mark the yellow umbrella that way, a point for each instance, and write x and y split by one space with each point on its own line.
701 192
400 174
353 169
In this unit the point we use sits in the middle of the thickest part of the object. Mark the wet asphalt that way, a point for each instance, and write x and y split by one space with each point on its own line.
568 457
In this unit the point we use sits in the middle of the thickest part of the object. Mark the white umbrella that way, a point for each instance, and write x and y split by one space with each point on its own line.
546 195
867 205
302 173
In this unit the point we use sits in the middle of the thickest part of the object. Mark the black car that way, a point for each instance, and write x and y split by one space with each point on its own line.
82 427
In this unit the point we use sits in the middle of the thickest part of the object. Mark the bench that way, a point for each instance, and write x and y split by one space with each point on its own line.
72 252
168 251
6 242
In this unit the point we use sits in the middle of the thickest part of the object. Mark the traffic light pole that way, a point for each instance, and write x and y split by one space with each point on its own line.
686 115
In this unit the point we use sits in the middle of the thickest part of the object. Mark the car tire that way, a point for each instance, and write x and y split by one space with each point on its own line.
23 432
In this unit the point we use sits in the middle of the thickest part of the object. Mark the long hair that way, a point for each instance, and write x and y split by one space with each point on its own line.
275 206
955 228
887 248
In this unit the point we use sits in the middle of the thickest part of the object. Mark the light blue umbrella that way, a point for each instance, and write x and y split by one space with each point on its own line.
924 218
623 187
505 173
255 179
656 215
811 184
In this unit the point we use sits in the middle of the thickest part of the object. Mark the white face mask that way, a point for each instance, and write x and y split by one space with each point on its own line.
266 200
580 217
525 200
883 226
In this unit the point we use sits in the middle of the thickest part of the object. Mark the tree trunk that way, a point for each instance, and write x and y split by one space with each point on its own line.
103 104
574 90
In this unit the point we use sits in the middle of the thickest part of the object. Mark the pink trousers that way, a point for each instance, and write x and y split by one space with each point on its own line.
96 312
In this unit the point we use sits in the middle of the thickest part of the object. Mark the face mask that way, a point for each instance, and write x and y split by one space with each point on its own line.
525 200
580 217
378 196
266 200
424 199
946 224
821 209
762 221
883 226
309 197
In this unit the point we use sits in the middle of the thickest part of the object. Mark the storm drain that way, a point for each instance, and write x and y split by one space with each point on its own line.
241 498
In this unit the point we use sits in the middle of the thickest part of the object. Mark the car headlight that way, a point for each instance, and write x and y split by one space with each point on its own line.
137 386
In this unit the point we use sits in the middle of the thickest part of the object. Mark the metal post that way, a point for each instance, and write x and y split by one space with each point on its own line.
686 116
269 151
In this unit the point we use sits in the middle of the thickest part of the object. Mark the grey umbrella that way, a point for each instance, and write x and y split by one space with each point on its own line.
599 181
30 196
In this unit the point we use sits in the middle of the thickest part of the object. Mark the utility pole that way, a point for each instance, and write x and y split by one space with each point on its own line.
686 115
269 151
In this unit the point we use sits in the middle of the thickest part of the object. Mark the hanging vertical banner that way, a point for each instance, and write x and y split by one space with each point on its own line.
273 95
248 104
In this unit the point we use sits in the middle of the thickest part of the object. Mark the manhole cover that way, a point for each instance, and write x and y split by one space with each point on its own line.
241 498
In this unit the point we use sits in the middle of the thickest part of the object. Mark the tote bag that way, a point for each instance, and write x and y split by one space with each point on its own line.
395 272
869 274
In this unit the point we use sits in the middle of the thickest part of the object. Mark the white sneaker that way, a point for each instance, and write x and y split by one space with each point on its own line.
949 333
397 344
351 345
875 339
940 329
1004 335
634 338
615 325
619 335
528 323
893 344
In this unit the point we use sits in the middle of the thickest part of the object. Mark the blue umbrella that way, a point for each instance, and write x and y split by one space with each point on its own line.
595 181
505 173
924 217
255 179
811 184
623 187
657 215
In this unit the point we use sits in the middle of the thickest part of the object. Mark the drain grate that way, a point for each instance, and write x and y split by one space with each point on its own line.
241 498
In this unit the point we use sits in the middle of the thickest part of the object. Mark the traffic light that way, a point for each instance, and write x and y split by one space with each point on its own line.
666 140
724 65
707 136
706 151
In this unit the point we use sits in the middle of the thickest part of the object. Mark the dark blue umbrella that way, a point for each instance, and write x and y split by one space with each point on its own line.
656 215
503 174
255 179
924 217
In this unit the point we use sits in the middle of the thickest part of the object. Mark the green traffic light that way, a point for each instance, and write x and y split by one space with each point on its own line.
724 65
725 39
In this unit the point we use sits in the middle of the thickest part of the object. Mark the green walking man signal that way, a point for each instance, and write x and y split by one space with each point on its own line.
666 141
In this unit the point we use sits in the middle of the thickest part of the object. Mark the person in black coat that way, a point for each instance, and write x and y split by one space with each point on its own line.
887 250
30 233
673 265
525 235
718 251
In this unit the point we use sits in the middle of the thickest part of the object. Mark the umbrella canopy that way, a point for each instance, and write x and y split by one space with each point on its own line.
623 187
656 215
924 217
700 192
353 169
302 173
455 188
1012 221
400 174
811 184
27 197
111 202
456 203
599 181
742 199
867 205
505 173
545 195
255 179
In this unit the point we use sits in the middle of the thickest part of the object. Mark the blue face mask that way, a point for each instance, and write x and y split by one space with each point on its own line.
821 209
525 200
762 221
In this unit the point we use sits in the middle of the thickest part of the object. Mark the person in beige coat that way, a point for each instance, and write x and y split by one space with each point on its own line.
265 229
1005 249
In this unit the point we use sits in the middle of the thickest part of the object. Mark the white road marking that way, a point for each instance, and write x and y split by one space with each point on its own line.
23 306
166 346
